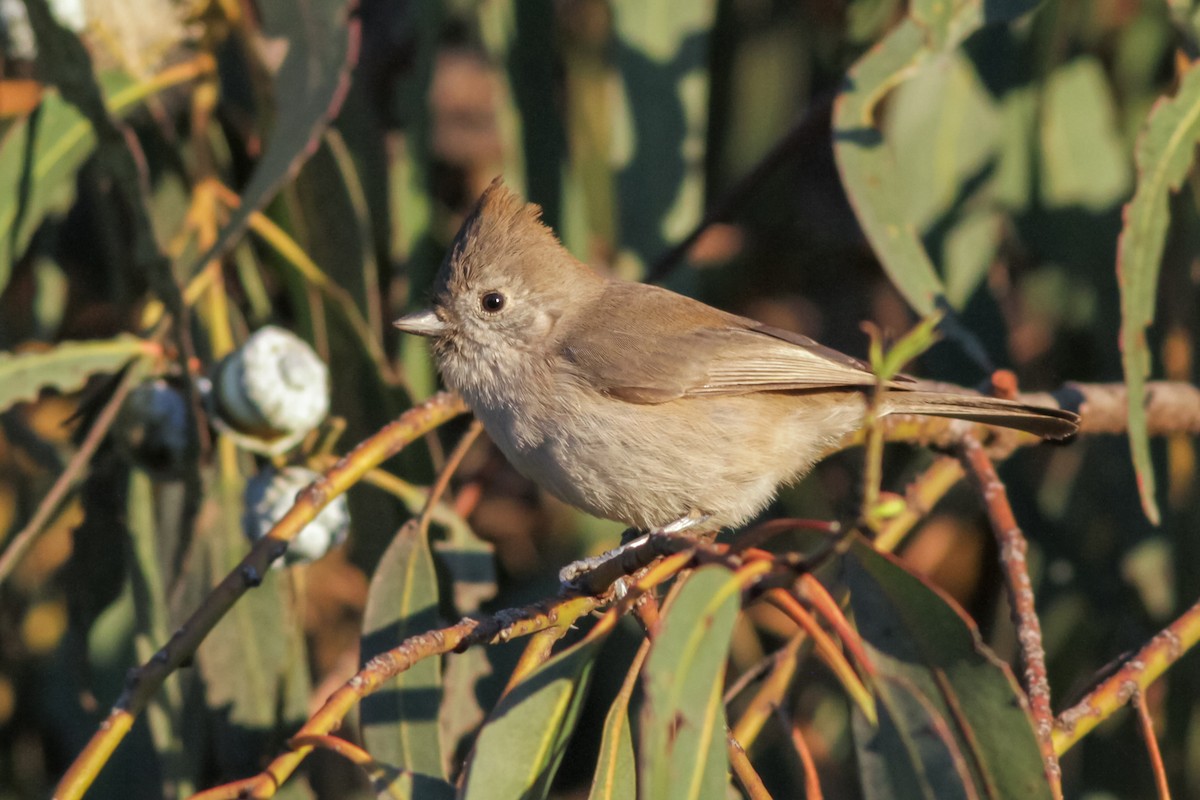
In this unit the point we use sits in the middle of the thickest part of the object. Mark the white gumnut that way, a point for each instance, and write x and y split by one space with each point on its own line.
273 386
271 493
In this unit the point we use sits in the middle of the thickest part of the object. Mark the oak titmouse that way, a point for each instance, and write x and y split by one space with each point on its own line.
638 404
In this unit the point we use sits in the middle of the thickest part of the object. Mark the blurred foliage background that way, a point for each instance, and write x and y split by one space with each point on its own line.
226 165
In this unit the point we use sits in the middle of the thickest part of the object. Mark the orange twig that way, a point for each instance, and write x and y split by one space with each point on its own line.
814 592
1146 725
812 781
784 663
350 751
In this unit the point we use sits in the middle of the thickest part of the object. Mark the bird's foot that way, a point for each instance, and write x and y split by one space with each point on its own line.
594 575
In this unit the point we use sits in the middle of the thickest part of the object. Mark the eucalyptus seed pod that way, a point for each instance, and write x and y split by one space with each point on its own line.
151 430
269 393
271 493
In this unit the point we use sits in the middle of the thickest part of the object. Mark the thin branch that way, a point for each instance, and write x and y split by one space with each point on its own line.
1146 725
501 627
812 781
1134 675
1171 407
744 771
1020 596
827 650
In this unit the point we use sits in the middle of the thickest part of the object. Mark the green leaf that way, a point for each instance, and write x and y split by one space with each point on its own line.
616 771
520 747
460 713
319 43
1083 162
404 785
65 367
946 126
952 718
682 745
1165 153
253 663
912 344
868 163
662 54
400 722
148 581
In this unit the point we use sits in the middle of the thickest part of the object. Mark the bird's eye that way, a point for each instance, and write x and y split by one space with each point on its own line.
492 302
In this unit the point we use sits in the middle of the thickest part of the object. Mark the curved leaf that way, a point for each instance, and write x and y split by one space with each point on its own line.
520 747
682 743
952 718
616 772
65 366
400 722
1165 153
868 165
662 53
319 40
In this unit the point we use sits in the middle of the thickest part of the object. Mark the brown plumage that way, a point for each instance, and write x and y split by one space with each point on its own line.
639 404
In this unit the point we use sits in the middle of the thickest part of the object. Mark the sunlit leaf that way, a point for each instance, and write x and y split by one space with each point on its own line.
869 166
520 747
682 747
65 367
662 54
400 721
1083 162
616 771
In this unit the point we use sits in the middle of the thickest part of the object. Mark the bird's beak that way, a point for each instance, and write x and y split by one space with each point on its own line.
422 323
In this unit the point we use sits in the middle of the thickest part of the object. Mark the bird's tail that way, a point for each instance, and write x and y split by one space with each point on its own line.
1049 423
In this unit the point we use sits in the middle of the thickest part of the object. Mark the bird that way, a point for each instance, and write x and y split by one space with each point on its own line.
641 405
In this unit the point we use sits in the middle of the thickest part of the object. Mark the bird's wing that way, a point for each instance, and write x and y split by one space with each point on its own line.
661 346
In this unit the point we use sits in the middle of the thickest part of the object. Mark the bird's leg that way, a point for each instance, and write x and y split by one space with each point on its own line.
595 574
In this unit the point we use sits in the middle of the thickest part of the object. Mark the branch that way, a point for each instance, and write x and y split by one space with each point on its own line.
1020 597
1134 675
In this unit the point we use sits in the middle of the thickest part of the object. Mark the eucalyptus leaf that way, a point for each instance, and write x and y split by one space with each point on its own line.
66 366
521 745
953 722
1165 154
682 743
400 721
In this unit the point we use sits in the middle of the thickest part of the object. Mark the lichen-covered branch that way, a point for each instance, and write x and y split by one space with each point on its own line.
1020 597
